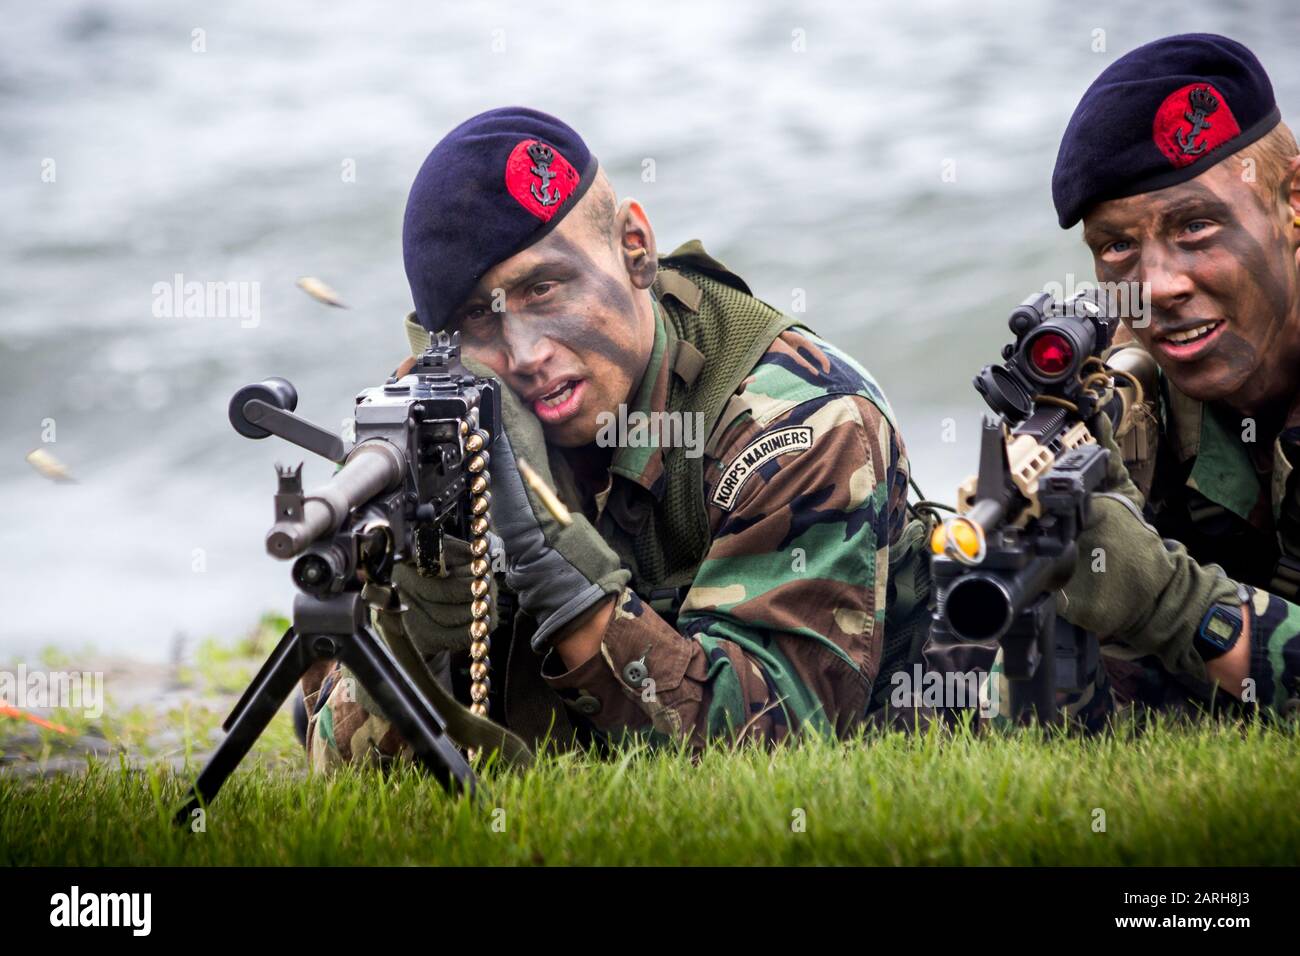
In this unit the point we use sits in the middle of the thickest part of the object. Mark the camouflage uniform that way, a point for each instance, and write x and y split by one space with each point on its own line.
341 727
780 626
1232 503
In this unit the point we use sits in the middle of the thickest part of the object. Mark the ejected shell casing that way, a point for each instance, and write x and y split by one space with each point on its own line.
48 466
320 291
544 493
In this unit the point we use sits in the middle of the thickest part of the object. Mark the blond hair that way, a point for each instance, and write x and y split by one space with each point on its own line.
1271 155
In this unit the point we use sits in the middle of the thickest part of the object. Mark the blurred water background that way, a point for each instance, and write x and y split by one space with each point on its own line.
819 169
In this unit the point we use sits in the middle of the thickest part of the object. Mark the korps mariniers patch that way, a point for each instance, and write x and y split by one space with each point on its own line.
539 178
750 458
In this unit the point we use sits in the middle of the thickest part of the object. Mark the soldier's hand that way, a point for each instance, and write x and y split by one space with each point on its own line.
558 571
1117 479
438 614
1132 586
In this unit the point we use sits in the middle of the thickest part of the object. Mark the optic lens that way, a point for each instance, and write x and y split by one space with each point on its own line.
1051 353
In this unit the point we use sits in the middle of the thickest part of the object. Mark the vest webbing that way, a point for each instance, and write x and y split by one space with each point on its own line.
732 330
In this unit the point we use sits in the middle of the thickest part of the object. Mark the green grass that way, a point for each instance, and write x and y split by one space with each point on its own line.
1211 794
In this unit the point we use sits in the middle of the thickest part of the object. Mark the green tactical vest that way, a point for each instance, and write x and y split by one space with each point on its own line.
721 332
1189 461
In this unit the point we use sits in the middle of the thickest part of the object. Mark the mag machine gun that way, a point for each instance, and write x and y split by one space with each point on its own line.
418 468
1012 543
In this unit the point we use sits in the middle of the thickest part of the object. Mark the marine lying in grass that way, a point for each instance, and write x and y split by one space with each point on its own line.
1195 603
739 592
1209 223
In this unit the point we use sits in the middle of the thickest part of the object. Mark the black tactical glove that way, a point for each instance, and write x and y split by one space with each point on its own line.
437 614
558 571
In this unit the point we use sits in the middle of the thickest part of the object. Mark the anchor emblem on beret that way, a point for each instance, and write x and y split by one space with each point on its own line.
542 157
1201 103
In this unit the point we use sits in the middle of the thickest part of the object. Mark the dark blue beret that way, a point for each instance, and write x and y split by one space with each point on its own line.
1160 115
494 185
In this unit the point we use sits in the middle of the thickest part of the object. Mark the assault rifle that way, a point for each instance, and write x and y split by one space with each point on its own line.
417 469
997 563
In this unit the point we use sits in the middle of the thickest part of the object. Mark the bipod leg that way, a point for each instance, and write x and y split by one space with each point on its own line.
417 720
259 703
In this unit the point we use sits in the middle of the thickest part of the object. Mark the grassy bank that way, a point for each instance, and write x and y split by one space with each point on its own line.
1208 795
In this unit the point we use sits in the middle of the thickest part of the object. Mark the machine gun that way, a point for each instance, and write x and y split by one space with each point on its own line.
418 468
1012 544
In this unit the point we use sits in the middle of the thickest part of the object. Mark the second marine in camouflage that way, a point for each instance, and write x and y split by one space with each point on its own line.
1186 180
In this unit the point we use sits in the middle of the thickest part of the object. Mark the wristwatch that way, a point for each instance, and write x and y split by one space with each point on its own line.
1219 630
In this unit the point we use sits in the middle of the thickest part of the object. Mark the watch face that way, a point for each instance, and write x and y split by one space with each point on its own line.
1221 629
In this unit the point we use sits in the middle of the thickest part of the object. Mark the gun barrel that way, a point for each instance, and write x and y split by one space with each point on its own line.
987 513
982 605
373 467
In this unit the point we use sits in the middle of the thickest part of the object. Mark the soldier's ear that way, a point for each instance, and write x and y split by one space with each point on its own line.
636 243
1291 187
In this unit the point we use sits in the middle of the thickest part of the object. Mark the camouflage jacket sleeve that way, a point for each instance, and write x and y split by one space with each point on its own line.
1275 652
782 627
1275 622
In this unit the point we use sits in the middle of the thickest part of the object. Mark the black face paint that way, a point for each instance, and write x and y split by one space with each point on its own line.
1242 347
574 320
566 314
578 333
1236 352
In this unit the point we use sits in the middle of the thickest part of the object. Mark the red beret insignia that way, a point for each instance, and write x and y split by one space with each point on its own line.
1191 122
539 178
